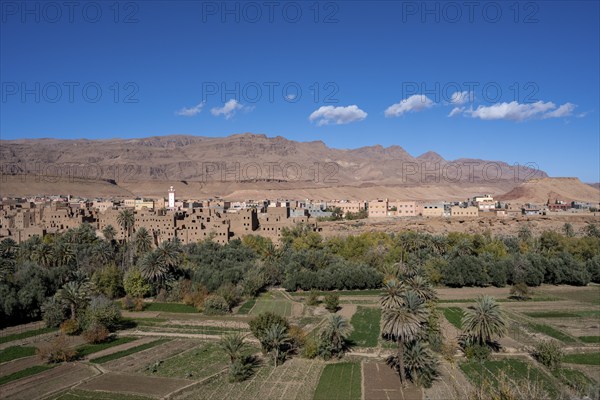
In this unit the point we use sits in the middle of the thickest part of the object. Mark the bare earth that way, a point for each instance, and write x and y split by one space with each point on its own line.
58 378
380 382
154 386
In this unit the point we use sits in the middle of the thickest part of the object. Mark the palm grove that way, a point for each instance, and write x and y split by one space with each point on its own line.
73 277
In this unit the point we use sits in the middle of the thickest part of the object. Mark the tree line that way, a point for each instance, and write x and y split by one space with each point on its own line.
215 278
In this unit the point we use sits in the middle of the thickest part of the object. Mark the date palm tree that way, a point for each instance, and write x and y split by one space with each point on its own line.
335 332
42 254
169 254
153 268
422 287
276 338
420 363
233 345
484 321
143 241
393 291
75 295
400 325
126 220
63 253
102 252
109 232
8 248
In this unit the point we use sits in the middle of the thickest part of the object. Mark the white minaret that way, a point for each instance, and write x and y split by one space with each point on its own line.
171 198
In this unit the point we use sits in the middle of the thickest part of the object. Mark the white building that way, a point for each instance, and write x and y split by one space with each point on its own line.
171 198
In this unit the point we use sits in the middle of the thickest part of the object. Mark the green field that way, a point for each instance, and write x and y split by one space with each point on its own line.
366 327
574 379
124 353
340 382
341 293
516 370
171 308
25 335
246 307
36 369
77 394
90 348
589 339
14 352
281 307
583 358
563 314
584 295
552 332
197 363
195 329
454 316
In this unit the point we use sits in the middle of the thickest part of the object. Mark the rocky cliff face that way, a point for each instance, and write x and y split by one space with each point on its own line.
248 158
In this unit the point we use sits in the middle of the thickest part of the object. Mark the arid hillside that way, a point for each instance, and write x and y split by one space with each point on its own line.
248 158
251 166
544 189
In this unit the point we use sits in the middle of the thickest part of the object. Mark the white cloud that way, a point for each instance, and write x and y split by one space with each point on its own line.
456 111
326 115
520 112
565 110
190 112
414 103
229 109
462 97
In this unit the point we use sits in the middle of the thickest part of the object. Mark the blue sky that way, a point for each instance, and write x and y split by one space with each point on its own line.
511 81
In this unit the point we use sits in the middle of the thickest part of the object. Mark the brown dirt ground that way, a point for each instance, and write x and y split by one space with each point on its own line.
153 386
137 361
18 365
451 385
297 309
121 347
21 328
213 323
380 382
40 385
347 311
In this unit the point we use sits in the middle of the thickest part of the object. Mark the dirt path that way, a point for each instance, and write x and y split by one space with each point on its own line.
347 311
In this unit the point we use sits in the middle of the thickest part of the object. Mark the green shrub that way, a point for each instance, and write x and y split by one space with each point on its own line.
231 294
53 312
102 311
549 353
242 369
332 302
109 281
477 352
134 283
313 298
265 321
215 305
520 291
311 348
